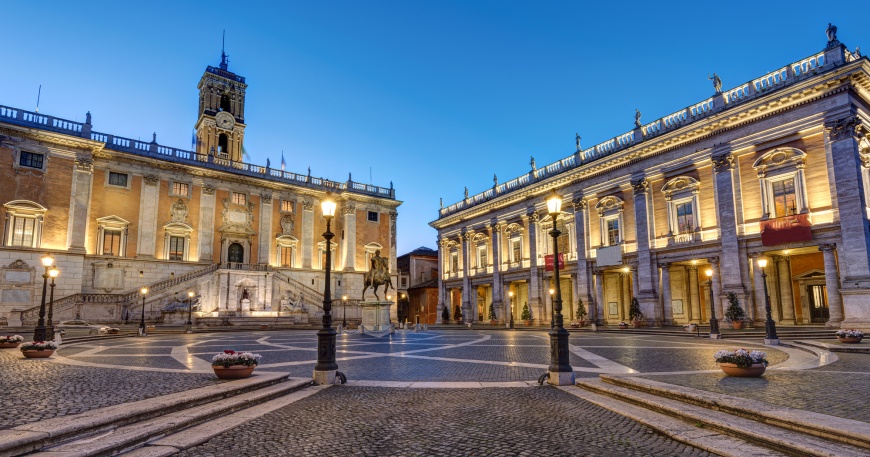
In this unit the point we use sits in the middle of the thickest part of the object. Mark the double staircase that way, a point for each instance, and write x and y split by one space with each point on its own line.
725 425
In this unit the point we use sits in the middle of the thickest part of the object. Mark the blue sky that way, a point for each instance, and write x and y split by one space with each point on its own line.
432 96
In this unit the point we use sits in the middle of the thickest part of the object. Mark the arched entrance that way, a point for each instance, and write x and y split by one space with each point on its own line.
236 253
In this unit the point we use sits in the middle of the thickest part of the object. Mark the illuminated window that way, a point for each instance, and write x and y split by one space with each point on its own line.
286 245
176 244
612 231
454 262
240 198
23 231
516 249
111 236
111 242
23 224
783 186
610 216
481 256
685 219
783 197
176 248
287 206
180 189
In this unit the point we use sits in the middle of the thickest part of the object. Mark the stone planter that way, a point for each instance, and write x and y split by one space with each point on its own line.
493 322
8 345
34 354
731 369
637 324
737 325
528 322
849 340
233 371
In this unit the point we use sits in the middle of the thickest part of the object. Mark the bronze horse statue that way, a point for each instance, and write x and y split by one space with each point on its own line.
378 275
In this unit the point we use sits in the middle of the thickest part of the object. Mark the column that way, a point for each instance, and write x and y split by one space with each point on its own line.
534 278
264 243
832 284
581 288
726 217
596 310
667 311
145 247
393 269
466 277
694 301
646 276
442 289
79 204
307 233
717 287
495 256
625 297
758 312
846 169
348 243
206 223
785 290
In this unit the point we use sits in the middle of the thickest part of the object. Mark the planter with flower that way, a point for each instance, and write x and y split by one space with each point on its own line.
234 365
10 341
38 349
526 316
850 336
742 363
634 313
734 312
581 315
622 325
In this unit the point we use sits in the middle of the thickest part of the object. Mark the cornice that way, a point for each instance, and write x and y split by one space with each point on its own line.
59 139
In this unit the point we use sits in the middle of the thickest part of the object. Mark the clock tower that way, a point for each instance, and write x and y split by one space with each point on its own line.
220 129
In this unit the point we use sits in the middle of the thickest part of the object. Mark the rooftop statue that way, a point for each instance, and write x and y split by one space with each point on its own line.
717 83
532 163
577 139
637 118
831 31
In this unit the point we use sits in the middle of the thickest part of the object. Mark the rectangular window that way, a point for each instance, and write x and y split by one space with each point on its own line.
516 250
564 238
180 188
373 216
23 230
111 242
454 262
287 206
286 256
685 219
176 248
783 197
31 159
481 256
612 232
240 198
117 179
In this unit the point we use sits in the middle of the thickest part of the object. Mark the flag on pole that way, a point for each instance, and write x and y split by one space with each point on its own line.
283 163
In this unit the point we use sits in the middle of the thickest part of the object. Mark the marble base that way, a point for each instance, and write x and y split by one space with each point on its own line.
561 378
324 377
376 315
771 342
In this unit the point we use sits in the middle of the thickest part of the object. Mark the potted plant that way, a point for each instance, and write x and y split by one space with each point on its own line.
445 315
38 349
457 314
741 363
526 316
634 313
234 365
10 341
849 336
492 318
734 312
622 325
581 315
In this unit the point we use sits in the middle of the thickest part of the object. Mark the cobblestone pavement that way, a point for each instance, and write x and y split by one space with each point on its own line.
377 421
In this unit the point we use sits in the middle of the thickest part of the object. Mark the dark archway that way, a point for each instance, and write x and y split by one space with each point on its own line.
223 144
236 253
225 102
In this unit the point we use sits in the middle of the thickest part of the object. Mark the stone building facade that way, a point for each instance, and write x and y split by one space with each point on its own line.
418 281
775 168
119 214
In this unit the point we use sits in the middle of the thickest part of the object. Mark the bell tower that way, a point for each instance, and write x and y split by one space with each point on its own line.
220 129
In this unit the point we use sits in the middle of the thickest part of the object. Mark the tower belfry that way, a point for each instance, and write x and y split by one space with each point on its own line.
220 128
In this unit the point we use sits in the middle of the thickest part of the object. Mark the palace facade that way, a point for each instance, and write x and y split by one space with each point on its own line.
119 214
775 168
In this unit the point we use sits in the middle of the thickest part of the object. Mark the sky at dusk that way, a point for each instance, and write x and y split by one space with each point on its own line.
431 96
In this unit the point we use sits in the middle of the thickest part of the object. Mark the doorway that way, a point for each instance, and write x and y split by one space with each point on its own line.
818 301
236 253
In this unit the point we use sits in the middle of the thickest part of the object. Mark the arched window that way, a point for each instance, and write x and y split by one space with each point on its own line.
112 236
223 144
514 234
287 251
23 224
783 190
684 225
225 102
610 216
176 241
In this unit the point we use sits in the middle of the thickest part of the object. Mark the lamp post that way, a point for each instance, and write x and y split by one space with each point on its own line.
714 323
560 371
770 337
144 292
189 312
552 313
39 331
49 326
511 295
344 311
325 369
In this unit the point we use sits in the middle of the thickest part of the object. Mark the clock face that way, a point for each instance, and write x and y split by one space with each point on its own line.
224 120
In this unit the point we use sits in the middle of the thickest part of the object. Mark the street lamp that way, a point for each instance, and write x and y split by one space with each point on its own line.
552 317
770 337
344 311
189 312
325 370
39 331
560 371
144 292
511 295
714 323
49 326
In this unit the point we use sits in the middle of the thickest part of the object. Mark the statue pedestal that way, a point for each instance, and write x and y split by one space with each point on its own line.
376 316
246 307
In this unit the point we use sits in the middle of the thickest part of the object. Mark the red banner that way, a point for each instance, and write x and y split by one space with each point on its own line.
548 262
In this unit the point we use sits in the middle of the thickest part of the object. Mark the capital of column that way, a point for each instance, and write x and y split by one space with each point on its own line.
842 129
639 185
208 189
827 247
84 164
713 260
266 199
665 265
723 162
533 216
151 180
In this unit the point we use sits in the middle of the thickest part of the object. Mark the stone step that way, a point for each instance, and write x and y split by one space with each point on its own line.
52 432
676 429
135 435
761 434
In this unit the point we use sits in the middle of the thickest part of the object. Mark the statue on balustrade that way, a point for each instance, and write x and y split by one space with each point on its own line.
577 139
637 118
378 274
831 31
533 164
717 83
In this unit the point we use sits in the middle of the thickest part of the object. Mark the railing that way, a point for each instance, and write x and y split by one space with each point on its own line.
308 294
741 93
683 238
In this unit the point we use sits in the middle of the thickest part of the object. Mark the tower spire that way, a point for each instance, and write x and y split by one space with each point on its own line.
224 55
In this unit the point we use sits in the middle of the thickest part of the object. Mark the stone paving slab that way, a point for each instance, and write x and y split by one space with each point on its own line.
441 422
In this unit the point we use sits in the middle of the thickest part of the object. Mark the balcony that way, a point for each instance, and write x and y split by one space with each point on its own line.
788 229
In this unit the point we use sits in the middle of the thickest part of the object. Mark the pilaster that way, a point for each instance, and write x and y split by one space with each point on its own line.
348 243
726 217
785 290
206 223
466 277
582 282
265 230
532 227
495 253
667 312
832 284
150 196
79 204
647 276
694 300
307 233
